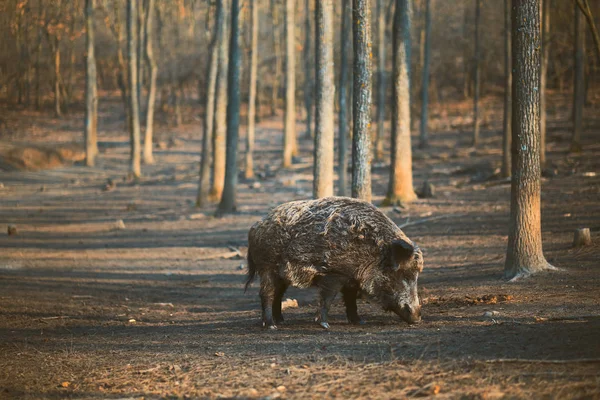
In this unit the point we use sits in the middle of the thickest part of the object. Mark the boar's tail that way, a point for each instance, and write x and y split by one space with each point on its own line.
251 271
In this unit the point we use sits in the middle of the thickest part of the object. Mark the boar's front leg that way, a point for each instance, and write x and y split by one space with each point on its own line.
350 293
280 288
329 286
267 297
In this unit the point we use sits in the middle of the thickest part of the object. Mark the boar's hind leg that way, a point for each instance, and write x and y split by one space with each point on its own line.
280 288
329 286
267 296
350 292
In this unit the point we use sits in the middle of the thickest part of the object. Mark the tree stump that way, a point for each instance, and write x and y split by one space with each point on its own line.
582 237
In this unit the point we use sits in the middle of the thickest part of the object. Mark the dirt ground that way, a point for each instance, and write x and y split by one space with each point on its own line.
156 309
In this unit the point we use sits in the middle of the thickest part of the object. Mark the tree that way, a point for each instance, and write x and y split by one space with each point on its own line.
506 136
289 141
346 42
524 254
308 81
91 88
220 124
323 160
249 173
584 6
134 128
380 80
400 189
544 76
361 140
276 39
425 75
209 106
579 80
228 200
149 41
476 74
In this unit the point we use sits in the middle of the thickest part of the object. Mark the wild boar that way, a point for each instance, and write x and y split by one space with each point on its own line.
336 244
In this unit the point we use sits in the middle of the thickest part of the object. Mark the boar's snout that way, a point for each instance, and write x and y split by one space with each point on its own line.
411 315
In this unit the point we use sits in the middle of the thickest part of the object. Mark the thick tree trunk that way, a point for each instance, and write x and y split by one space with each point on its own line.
228 200
579 80
134 112
249 173
361 138
289 136
308 68
544 76
401 189
324 127
380 80
91 91
476 74
209 107
425 85
346 43
149 41
220 124
506 136
524 254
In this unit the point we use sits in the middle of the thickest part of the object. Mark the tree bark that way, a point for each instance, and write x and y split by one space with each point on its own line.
361 138
220 123
324 127
506 136
425 85
289 141
249 173
524 254
346 43
381 24
149 33
476 74
579 80
91 91
209 106
56 51
141 32
400 190
544 76
308 67
277 54
228 200
134 129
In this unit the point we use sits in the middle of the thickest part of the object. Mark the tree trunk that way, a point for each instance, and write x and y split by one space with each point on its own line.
249 173
308 68
141 32
401 189
209 106
506 136
91 85
466 58
56 51
228 200
380 80
289 141
476 74
38 60
425 86
220 124
544 76
149 33
324 127
346 43
134 130
277 54
524 253
579 79
584 6
361 138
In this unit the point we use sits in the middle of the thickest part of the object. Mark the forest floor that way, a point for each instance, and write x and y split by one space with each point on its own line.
156 309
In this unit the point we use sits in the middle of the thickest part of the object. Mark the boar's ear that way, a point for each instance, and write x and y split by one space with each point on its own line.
402 251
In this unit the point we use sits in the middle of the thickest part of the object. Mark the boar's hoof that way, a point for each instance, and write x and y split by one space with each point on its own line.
270 326
357 321
324 325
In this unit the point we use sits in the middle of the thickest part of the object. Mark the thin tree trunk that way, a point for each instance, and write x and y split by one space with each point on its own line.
506 136
579 80
324 126
380 80
38 60
228 200
308 67
277 54
466 58
361 138
476 74
346 43
149 41
220 124
141 32
209 106
544 76
56 50
249 173
425 85
91 91
289 141
584 6
401 189
133 100
524 254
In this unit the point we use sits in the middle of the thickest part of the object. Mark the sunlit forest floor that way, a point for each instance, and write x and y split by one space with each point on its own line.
156 308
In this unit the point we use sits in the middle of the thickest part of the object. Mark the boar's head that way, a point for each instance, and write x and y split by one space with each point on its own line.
398 293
